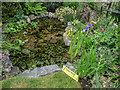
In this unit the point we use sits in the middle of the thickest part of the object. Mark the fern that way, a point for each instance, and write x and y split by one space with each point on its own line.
35 8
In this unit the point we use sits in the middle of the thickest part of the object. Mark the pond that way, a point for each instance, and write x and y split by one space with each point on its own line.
43 45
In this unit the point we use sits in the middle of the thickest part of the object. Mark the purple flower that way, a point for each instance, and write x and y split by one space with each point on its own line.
108 76
83 30
109 40
98 47
102 51
98 56
115 40
104 18
15 22
118 66
116 50
95 51
112 54
6 53
80 48
90 33
87 28
89 25
105 53
3 56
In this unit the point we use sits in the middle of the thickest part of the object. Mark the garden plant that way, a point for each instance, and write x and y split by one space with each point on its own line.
39 43
98 43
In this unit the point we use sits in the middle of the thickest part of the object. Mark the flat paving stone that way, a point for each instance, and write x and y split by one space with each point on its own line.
40 71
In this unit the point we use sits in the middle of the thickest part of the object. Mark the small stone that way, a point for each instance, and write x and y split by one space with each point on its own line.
32 17
51 14
53 41
43 44
66 39
62 20
28 20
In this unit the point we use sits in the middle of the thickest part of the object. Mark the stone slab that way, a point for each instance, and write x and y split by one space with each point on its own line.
40 71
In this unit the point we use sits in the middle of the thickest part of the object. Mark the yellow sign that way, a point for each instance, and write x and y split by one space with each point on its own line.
70 72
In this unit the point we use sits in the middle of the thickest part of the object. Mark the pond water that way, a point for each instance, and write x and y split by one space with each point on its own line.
43 45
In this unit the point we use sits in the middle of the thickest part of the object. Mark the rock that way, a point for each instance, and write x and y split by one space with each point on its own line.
7 65
40 71
53 41
40 40
69 27
69 24
13 72
32 17
66 39
28 73
51 14
28 20
46 14
62 20
43 44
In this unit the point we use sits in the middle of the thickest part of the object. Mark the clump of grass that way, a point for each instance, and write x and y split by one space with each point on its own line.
55 80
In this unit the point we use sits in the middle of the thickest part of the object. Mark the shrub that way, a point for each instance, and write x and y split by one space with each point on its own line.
51 6
62 11
68 18
73 5
34 8
9 9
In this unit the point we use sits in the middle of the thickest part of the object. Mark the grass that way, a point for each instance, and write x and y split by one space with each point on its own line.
55 80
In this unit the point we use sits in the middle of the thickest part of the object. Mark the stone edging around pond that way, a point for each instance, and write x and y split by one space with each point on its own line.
10 71
46 14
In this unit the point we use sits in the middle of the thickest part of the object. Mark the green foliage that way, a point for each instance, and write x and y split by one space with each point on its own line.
62 11
94 5
68 18
87 63
16 46
51 6
73 5
116 7
18 16
34 24
15 27
34 8
99 51
9 9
